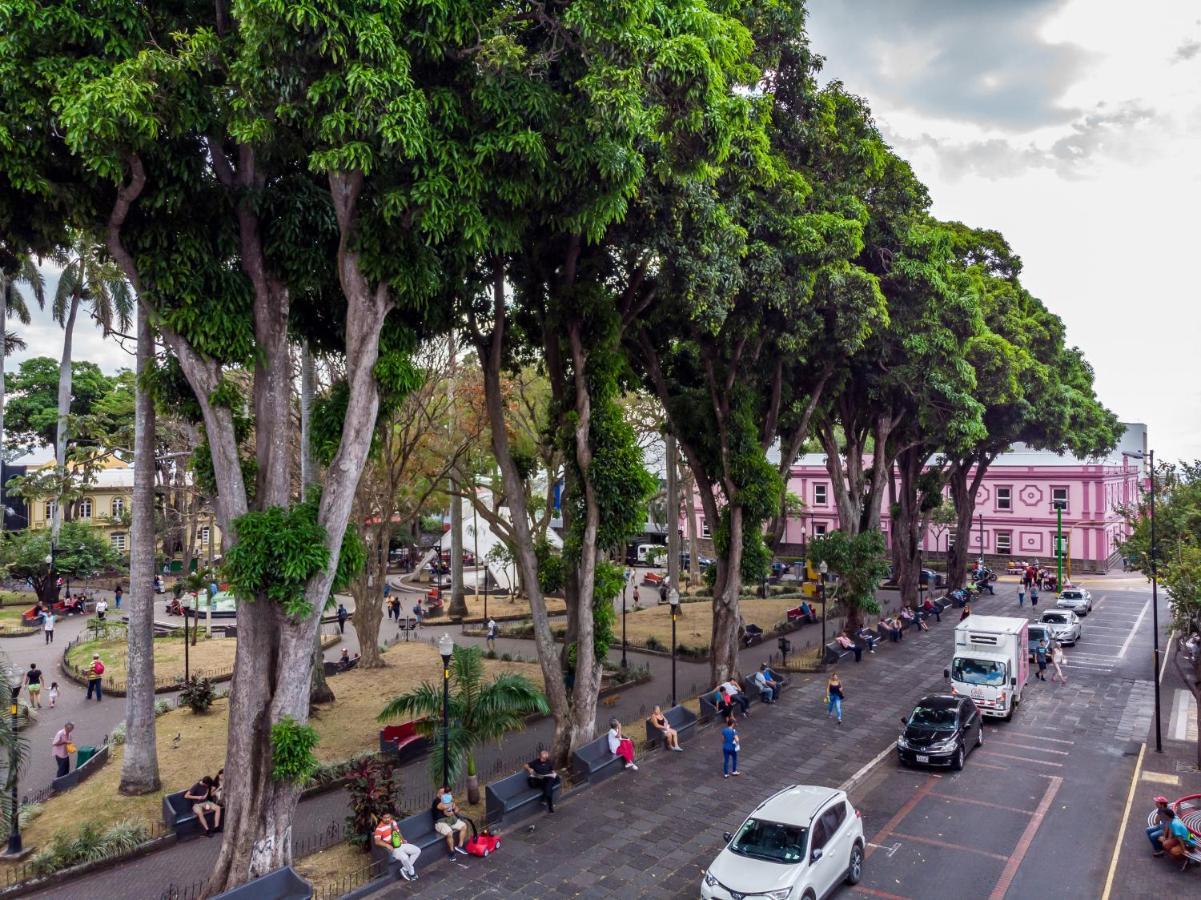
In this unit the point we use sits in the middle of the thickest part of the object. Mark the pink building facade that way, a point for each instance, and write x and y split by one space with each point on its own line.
1015 508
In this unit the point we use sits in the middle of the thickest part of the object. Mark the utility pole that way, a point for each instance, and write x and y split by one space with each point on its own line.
673 514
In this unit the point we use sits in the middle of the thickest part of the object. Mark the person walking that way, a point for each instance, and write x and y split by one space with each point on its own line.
343 615
1040 655
1057 659
117 595
635 596
101 608
1021 595
834 697
62 748
1033 595
967 611
95 671
53 695
729 749
48 626
33 680
491 639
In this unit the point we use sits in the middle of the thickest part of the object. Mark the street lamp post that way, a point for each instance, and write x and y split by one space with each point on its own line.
673 597
624 586
822 569
14 835
981 517
1150 457
446 648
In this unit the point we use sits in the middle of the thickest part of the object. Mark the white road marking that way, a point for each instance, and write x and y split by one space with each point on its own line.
876 760
1130 637
1184 715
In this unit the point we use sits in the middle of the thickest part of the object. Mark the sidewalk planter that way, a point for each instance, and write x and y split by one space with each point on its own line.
282 884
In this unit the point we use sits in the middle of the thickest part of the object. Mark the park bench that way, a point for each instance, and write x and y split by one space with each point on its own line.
512 798
751 689
419 831
752 635
282 884
1192 851
709 708
682 719
795 615
178 815
593 762
403 741
835 652
83 772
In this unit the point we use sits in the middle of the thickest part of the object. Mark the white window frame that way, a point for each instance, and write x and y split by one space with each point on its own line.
1067 498
951 539
1004 504
85 508
821 494
118 507
819 529
204 534
50 504
118 541
1005 538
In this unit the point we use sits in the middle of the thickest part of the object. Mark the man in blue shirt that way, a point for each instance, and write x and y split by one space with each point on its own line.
1156 831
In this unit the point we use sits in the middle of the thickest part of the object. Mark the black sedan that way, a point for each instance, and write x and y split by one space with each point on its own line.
940 731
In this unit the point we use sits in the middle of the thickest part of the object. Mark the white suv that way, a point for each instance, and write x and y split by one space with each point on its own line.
796 845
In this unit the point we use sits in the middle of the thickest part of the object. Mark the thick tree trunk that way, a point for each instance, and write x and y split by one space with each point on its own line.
673 512
458 603
319 689
723 661
64 411
491 352
3 396
139 767
694 549
369 601
906 531
965 478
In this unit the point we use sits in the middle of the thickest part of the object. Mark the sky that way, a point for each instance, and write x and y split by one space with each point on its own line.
1074 128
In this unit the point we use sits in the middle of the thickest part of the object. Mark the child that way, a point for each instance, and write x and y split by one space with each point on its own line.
53 693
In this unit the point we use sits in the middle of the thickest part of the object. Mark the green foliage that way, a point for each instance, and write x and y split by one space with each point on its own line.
551 572
197 695
480 711
859 564
277 551
31 406
88 845
82 552
371 796
292 746
610 579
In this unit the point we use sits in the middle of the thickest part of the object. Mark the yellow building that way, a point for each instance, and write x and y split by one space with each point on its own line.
106 504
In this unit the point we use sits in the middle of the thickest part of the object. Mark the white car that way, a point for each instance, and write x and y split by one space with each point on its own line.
795 845
1064 625
1078 600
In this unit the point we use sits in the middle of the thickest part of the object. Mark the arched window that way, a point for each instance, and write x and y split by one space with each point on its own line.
118 507
85 508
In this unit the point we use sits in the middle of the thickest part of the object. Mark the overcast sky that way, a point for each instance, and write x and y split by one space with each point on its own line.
1073 127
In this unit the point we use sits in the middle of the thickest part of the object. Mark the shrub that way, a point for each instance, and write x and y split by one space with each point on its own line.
29 812
197 694
116 737
490 654
370 790
162 707
89 845
292 746
653 643
506 657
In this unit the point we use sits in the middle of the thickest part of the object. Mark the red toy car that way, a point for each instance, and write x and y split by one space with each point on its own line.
483 843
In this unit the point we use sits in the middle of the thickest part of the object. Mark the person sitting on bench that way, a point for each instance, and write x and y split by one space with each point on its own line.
540 774
448 824
807 613
768 687
671 738
929 607
201 795
387 835
620 745
846 642
895 629
734 695
868 637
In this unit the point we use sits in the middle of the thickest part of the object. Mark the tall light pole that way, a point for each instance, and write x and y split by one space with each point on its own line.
981 517
822 569
625 584
14 835
673 597
475 551
1059 504
446 649
1150 457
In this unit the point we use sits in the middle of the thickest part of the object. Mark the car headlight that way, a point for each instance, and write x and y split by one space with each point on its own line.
709 879
901 742
782 894
943 745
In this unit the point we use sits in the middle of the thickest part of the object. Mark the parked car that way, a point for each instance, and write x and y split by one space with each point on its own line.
703 561
798 843
1065 625
927 579
1039 631
941 731
1078 600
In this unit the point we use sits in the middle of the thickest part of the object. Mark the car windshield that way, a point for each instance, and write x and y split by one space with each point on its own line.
1070 595
770 841
985 672
1037 634
940 718
1056 620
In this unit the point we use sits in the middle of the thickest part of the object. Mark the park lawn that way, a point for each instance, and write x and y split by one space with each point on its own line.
15 603
346 728
500 606
694 626
213 656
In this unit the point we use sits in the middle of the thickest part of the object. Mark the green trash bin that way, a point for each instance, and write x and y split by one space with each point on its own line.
83 754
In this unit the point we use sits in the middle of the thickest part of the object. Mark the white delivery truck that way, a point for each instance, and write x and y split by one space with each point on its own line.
991 663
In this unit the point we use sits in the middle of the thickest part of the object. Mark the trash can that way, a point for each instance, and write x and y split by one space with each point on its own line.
83 754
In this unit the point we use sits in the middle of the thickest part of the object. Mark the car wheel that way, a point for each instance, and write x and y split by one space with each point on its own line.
809 895
980 735
855 865
957 762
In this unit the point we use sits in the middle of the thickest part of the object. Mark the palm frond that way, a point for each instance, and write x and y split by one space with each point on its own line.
69 282
13 343
422 702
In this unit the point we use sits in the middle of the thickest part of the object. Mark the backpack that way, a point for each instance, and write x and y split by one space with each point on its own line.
98 667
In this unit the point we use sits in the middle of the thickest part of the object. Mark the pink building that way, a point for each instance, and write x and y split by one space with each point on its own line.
1015 508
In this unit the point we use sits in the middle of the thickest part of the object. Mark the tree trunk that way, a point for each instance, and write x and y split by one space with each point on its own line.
64 410
673 512
458 603
965 478
3 396
694 548
723 660
319 689
907 524
139 767
369 601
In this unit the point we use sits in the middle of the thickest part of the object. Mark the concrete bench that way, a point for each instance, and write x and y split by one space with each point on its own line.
835 652
403 741
512 797
336 667
419 831
178 815
82 773
709 707
282 884
751 689
682 719
593 762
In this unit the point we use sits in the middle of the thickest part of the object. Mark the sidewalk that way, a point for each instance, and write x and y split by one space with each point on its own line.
1173 773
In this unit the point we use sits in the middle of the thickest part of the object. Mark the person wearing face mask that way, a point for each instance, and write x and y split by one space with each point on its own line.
448 824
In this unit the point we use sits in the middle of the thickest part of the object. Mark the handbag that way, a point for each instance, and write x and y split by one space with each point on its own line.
70 747
397 840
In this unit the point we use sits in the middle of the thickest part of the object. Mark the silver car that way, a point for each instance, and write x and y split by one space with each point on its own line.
1078 600
1064 625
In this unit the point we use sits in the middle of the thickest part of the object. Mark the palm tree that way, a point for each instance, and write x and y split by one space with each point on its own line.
479 712
15 748
13 300
88 277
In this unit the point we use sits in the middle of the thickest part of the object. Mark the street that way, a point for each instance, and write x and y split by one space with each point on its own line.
1035 811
